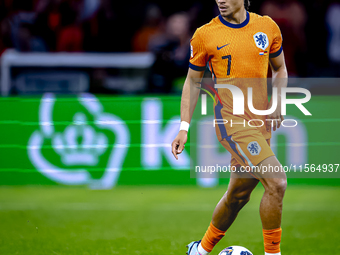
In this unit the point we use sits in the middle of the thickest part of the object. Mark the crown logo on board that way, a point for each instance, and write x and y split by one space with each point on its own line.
79 144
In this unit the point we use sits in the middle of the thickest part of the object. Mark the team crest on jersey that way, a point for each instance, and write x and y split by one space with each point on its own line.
261 40
254 148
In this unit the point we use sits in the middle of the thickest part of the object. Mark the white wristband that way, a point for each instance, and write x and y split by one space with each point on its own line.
184 126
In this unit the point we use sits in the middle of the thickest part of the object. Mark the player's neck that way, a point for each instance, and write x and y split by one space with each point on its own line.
236 17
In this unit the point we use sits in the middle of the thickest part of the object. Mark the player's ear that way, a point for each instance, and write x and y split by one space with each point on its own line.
246 4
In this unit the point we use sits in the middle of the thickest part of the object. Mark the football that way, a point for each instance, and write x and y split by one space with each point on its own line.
235 250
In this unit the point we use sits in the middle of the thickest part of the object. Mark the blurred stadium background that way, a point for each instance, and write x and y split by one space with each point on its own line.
90 102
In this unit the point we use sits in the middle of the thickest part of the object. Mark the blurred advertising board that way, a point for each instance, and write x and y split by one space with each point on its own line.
100 142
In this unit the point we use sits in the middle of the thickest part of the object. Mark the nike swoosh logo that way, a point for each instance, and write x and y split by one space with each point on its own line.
275 242
218 48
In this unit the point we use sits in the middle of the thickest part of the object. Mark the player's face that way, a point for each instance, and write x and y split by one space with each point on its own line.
228 7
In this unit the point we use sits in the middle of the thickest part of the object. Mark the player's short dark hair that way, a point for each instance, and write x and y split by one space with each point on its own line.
246 4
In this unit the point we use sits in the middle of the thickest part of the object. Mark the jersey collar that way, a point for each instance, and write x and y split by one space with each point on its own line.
228 24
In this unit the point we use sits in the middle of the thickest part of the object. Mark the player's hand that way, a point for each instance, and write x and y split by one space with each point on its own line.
179 142
275 118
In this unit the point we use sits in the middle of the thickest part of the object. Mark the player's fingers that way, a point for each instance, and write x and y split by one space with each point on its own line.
174 149
274 124
282 118
279 122
180 147
268 124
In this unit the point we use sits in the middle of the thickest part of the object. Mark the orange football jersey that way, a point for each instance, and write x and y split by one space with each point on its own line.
238 54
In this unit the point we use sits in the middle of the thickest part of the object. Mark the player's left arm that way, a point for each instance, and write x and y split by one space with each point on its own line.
280 79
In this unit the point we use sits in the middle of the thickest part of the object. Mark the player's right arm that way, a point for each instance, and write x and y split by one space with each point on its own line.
279 74
188 103
190 93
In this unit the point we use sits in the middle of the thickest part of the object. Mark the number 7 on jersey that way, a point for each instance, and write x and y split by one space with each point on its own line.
229 63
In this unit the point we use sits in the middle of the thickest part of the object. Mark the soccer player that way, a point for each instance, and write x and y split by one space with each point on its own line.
238 44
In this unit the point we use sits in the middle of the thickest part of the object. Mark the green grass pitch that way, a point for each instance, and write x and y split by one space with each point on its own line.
156 220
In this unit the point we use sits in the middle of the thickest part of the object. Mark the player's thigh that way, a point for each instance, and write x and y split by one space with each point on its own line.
270 168
271 174
248 147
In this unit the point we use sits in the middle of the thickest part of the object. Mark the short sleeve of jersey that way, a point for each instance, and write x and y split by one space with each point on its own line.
198 54
276 46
